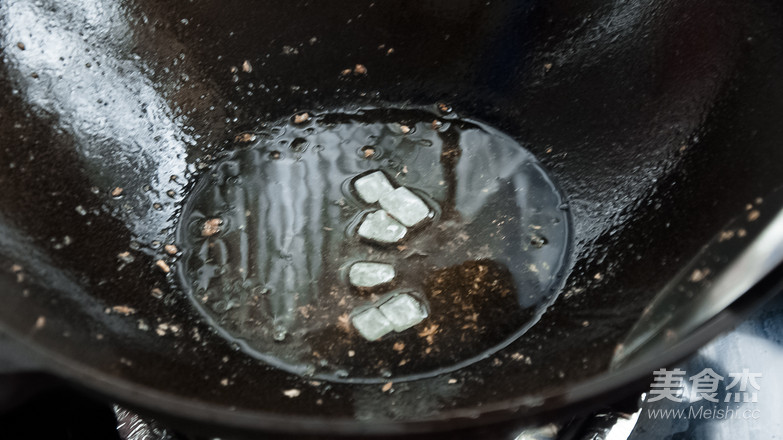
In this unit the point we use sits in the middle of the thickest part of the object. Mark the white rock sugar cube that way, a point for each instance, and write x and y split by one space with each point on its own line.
403 311
370 274
405 206
371 324
377 226
372 186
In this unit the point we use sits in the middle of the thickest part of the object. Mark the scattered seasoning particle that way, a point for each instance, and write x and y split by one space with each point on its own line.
398 346
699 275
351 353
598 277
726 235
16 268
405 129
163 266
246 67
359 69
445 108
368 152
40 322
436 124
171 249
301 118
753 215
386 387
452 381
211 227
547 67
161 330
290 50
390 51
20 45
224 382
585 323
123 310
293 392
233 69
116 192
171 193
245 137
345 72
125 257
741 233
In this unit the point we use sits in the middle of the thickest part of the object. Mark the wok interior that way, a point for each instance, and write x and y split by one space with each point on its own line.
657 119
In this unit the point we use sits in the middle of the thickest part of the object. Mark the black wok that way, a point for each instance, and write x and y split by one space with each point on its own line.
658 121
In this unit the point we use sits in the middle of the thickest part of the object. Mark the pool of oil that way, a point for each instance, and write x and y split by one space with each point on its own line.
270 229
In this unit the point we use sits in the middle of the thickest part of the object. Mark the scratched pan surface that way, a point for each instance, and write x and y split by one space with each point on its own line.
659 121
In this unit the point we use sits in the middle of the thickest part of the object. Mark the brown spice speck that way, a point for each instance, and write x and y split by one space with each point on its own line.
405 129
123 310
116 192
20 45
301 118
398 346
293 392
211 227
699 275
171 249
345 72
246 67
359 69
344 322
386 387
753 215
726 235
547 67
40 323
244 137
163 266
